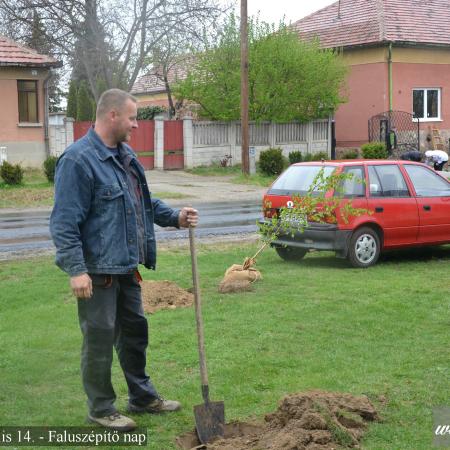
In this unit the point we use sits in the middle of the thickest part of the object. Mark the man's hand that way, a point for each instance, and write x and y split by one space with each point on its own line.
81 286
188 217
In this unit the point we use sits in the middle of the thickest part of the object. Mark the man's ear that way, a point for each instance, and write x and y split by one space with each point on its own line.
113 114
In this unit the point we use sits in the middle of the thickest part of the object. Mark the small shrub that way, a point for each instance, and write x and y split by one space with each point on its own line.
225 161
11 173
315 156
49 168
374 150
271 161
350 154
295 157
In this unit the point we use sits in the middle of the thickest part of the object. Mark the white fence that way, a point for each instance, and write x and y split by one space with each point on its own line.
208 142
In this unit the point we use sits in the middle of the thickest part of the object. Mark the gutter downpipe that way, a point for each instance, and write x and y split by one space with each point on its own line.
390 76
46 112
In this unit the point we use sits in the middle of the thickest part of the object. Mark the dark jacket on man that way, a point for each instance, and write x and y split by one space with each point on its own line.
94 222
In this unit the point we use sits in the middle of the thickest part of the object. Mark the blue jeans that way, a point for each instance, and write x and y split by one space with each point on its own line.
114 317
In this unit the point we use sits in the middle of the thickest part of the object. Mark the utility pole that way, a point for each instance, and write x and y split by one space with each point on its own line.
244 88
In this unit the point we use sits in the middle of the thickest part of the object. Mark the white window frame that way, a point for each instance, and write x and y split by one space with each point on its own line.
425 105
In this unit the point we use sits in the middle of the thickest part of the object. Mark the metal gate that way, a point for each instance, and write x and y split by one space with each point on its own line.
173 144
142 140
143 143
399 130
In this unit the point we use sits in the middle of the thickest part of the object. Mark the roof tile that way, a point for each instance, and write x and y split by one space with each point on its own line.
363 22
14 54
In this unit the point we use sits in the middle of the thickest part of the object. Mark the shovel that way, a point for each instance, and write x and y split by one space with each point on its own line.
210 416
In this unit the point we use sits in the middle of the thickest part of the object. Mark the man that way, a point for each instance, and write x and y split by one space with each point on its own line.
438 157
102 225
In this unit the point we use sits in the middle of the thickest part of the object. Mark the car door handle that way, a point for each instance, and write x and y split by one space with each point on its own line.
427 207
379 209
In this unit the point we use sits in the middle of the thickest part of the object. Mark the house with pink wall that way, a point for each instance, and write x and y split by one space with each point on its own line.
398 56
24 76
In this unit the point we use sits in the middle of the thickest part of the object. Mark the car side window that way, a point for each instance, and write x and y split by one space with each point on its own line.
387 181
354 186
427 183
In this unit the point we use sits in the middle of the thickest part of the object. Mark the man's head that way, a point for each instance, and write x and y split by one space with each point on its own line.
116 114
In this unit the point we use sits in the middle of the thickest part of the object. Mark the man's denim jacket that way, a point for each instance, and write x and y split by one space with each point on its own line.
93 223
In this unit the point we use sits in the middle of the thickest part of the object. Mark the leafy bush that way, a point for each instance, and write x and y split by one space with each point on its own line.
149 112
11 173
49 168
295 157
315 156
271 161
374 150
350 154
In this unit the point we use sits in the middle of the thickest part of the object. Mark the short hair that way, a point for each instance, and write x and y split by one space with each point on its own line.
113 99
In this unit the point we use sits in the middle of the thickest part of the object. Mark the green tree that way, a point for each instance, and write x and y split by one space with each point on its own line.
84 103
72 100
289 79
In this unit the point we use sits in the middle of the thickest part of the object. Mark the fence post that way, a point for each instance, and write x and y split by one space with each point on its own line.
159 142
310 136
329 138
272 134
68 124
3 155
188 142
235 151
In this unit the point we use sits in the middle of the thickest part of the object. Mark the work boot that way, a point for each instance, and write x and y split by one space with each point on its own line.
115 421
158 405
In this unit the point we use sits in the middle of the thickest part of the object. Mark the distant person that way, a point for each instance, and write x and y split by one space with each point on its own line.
102 225
412 155
438 157
393 138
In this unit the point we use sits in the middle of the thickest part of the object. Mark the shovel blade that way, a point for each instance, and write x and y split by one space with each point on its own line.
209 421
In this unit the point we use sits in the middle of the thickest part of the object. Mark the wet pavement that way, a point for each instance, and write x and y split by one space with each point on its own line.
226 209
25 232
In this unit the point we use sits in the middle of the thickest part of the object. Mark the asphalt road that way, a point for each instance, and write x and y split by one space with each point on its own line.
27 232
226 210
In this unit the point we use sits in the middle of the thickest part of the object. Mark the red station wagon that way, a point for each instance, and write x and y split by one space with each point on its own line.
410 205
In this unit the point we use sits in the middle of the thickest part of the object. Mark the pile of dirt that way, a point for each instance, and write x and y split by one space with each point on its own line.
314 420
158 295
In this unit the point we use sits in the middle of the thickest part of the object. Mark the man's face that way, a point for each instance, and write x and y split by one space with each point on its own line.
125 121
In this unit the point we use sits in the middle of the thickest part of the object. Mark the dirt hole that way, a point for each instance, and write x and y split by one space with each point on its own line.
314 420
158 295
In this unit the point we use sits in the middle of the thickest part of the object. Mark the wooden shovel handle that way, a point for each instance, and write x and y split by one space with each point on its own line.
198 315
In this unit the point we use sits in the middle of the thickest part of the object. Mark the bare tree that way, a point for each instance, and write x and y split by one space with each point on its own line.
109 39
176 52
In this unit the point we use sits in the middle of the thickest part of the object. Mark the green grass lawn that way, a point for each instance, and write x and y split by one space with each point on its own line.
316 324
34 191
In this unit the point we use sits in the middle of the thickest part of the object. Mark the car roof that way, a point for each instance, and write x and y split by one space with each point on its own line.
356 162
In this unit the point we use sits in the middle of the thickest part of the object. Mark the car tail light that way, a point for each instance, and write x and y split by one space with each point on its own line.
269 213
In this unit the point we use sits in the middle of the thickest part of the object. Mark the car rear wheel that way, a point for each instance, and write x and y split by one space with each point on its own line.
364 248
291 253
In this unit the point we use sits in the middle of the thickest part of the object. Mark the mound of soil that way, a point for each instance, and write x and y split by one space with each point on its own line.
158 295
314 420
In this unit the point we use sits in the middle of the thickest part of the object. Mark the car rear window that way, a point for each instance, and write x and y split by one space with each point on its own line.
298 179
